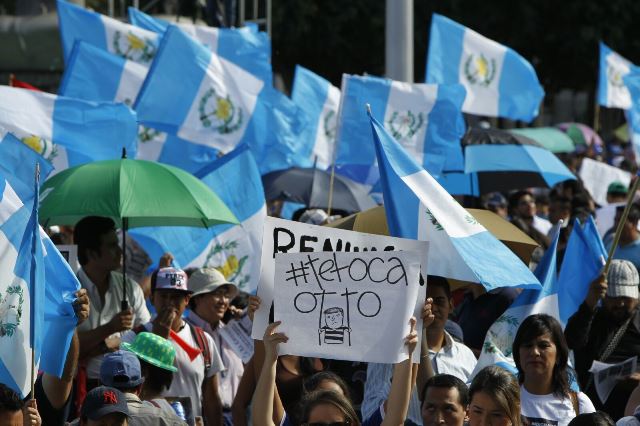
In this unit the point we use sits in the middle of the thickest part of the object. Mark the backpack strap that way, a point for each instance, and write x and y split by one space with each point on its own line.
201 340
574 401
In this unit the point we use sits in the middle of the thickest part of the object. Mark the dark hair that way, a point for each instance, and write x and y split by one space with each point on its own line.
599 418
502 387
535 326
156 378
311 383
564 202
514 198
322 397
440 282
9 399
634 212
447 381
87 235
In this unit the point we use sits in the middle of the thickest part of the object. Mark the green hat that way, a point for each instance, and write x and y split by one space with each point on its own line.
154 349
617 187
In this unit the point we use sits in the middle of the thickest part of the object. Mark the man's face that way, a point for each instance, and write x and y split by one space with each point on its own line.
441 305
619 308
628 230
11 418
213 305
170 299
442 406
109 255
333 320
526 206
113 419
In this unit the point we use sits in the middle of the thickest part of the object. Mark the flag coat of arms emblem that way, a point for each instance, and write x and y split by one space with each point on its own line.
612 90
426 119
499 82
125 40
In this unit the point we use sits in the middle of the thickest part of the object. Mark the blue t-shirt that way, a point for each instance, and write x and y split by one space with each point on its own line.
630 252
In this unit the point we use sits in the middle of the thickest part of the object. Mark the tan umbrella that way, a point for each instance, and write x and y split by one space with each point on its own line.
374 221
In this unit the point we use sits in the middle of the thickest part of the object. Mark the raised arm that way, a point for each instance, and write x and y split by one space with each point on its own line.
579 325
397 404
425 369
263 397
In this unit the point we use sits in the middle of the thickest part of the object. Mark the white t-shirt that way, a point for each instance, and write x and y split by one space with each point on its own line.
101 314
187 381
550 410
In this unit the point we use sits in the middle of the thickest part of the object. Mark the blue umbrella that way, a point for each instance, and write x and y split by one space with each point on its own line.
496 160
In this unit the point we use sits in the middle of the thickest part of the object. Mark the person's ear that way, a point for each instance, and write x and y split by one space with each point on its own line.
451 303
187 298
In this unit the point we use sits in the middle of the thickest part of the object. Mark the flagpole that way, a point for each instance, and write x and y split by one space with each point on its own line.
621 223
35 241
596 117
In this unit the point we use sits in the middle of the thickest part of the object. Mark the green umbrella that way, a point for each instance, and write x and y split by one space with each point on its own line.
144 193
549 137
133 193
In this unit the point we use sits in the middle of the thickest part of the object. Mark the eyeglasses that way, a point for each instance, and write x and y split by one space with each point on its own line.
345 423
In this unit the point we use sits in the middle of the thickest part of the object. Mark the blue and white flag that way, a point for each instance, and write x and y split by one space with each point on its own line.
632 86
499 82
17 162
233 249
18 166
218 104
497 347
320 100
94 74
584 258
612 89
246 47
125 40
417 207
21 289
66 131
424 118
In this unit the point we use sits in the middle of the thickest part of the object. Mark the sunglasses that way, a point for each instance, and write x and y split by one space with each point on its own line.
345 423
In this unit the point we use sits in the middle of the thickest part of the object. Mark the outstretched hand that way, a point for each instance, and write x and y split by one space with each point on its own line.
597 291
271 340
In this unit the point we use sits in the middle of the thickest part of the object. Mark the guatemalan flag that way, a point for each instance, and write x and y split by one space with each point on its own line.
94 74
499 82
246 47
218 104
125 40
67 131
320 100
417 207
233 249
424 118
584 258
18 166
612 90
499 339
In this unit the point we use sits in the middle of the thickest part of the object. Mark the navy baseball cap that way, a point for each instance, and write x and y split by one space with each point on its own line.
102 401
121 369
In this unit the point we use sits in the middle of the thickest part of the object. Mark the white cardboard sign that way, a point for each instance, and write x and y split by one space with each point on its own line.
285 236
349 306
237 334
597 176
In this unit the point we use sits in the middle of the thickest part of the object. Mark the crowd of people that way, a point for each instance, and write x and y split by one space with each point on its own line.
161 357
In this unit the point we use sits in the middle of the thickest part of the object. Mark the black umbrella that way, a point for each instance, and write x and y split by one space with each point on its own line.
311 188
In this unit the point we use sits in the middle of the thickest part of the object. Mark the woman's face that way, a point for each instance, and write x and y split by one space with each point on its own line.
325 413
538 357
484 411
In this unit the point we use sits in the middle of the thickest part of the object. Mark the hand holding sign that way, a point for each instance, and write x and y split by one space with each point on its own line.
352 306
271 341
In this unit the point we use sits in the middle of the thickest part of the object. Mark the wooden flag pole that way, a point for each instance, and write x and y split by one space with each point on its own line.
596 117
621 222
